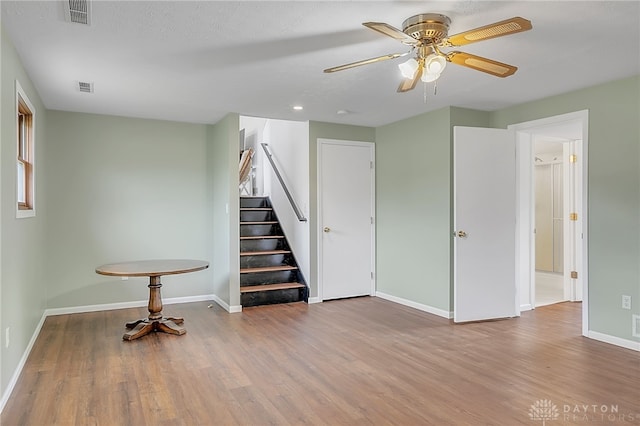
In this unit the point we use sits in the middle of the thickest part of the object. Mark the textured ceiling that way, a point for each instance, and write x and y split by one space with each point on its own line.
197 61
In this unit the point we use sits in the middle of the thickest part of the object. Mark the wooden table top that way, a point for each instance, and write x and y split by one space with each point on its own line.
152 268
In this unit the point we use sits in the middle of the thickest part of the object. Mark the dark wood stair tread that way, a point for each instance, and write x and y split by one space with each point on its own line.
267 287
264 252
261 237
268 269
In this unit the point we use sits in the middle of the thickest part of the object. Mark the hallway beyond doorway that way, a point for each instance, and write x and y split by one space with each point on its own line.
549 288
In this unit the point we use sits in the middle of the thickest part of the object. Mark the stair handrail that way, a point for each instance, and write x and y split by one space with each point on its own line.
295 207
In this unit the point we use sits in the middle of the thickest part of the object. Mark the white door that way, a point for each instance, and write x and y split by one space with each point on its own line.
484 258
345 218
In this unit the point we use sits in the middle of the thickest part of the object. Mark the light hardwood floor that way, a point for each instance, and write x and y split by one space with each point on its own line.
549 288
356 361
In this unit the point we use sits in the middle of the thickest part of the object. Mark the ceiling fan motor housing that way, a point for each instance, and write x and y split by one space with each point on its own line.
430 28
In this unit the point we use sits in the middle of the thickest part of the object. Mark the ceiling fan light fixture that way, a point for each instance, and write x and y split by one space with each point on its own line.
427 33
434 63
408 68
428 77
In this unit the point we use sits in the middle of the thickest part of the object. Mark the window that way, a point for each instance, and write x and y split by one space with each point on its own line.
25 159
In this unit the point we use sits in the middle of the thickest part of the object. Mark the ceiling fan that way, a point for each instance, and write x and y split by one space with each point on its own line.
427 33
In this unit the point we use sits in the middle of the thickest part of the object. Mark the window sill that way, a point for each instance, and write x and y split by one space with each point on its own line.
21 214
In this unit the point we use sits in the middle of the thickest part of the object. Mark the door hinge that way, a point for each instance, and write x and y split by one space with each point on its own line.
574 275
573 216
371 275
371 164
573 158
372 220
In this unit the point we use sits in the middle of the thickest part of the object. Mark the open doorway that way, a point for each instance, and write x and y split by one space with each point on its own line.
564 253
552 194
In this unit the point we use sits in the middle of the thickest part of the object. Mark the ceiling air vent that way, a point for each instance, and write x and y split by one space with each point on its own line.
85 87
78 11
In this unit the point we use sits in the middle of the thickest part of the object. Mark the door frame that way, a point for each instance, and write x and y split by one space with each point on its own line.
525 251
319 231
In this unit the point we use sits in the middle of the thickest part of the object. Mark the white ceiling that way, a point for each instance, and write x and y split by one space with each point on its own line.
197 61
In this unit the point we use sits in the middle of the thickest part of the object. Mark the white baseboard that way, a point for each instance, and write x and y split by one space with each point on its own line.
613 340
526 307
125 305
231 309
23 360
426 308
313 300
95 308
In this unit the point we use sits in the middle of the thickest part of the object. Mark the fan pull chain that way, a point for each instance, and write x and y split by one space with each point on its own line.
425 92
435 87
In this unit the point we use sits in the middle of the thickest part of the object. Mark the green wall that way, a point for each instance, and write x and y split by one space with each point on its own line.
614 193
321 130
224 203
122 189
22 248
412 209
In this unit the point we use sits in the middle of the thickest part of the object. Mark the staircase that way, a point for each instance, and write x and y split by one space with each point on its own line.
268 270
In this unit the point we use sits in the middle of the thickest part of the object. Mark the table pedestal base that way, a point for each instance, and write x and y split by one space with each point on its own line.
155 321
171 325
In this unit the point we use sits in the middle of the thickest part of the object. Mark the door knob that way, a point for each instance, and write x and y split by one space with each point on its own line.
326 229
461 234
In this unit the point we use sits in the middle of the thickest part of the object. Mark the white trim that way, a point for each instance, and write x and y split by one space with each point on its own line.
313 300
426 308
233 309
187 299
22 214
526 307
125 305
94 308
568 196
319 229
20 93
613 340
16 374
525 220
580 118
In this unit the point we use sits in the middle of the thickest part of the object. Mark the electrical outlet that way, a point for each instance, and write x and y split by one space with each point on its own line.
626 302
6 337
635 326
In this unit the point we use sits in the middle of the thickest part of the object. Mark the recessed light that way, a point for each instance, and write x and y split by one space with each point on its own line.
342 111
298 108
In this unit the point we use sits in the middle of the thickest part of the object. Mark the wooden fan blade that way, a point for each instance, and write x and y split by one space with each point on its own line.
392 32
498 29
410 83
365 62
481 64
